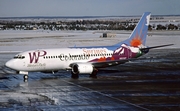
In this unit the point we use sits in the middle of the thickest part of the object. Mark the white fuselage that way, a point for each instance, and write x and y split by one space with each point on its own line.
55 59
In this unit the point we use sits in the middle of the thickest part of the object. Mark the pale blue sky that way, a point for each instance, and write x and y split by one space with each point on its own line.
26 8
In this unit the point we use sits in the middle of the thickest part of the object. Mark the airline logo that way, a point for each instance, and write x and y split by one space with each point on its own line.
34 56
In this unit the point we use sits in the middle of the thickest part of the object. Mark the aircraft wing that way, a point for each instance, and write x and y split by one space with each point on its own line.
113 63
104 63
110 63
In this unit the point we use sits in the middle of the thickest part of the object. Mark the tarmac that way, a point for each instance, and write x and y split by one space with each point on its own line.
150 83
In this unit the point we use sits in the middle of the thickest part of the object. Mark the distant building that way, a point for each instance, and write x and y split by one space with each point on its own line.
106 35
1 27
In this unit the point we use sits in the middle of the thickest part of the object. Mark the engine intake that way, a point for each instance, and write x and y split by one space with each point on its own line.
82 68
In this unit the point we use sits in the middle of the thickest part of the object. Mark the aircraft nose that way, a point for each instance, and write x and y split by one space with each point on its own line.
9 64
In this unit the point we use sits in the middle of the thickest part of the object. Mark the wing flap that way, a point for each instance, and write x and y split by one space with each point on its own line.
109 63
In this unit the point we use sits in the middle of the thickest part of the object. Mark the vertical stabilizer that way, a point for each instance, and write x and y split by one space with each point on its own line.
138 36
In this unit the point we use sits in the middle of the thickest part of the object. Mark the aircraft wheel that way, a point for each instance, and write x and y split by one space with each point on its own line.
25 78
93 74
74 76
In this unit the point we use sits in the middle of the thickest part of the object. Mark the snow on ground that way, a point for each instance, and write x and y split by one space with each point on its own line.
21 40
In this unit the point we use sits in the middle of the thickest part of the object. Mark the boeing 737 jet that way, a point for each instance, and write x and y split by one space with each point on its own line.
84 60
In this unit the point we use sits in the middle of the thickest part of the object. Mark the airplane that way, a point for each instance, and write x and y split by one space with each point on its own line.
84 60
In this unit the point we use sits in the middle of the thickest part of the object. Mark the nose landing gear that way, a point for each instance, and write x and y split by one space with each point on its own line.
25 75
25 78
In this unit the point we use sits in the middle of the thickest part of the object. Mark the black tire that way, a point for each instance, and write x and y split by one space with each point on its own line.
93 74
74 76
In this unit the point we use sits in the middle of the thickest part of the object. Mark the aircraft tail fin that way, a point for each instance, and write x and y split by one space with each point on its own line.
138 36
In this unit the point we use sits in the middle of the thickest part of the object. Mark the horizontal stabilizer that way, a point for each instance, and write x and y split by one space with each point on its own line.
156 46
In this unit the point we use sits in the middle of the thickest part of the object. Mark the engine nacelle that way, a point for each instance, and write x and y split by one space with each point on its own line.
82 68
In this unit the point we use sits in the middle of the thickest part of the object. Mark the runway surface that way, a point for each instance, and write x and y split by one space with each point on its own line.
152 83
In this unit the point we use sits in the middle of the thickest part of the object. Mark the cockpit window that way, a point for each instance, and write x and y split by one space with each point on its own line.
19 57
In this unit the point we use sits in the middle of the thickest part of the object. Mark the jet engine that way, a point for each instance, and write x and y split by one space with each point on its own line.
82 68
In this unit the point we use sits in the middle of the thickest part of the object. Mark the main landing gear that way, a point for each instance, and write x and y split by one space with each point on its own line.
74 75
92 75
